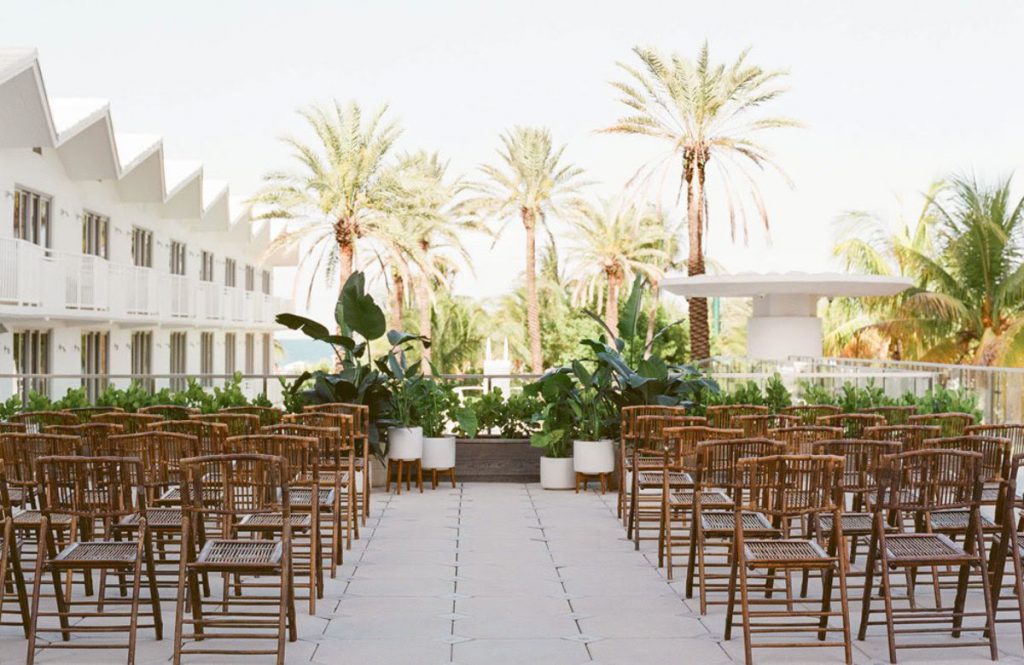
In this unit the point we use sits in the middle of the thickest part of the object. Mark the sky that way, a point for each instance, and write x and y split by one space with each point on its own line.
891 95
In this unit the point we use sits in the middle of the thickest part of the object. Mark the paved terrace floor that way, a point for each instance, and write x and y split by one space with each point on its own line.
496 574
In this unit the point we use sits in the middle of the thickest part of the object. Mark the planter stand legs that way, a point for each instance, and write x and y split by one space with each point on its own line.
436 472
399 466
585 479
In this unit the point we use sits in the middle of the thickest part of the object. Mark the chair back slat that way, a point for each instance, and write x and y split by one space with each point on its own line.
44 418
800 439
1012 431
995 453
787 486
95 488
268 415
630 415
809 413
910 437
928 480
951 424
853 424
862 460
211 436
170 411
86 414
131 423
720 415
717 461
894 415
238 424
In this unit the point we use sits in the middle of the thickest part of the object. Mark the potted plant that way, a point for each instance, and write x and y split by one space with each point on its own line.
439 408
593 452
405 436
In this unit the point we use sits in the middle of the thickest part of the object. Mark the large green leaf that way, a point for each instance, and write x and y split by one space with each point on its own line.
631 313
359 312
307 327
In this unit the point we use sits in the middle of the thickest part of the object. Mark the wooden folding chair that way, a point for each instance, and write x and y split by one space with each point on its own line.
919 484
13 428
1008 548
1014 432
92 434
809 413
762 423
894 415
721 415
951 424
44 418
12 578
170 411
131 423
910 437
786 489
852 424
268 415
361 424
238 424
85 414
800 439
629 435
95 492
254 489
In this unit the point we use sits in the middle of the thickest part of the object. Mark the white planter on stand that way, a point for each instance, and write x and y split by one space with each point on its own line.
557 473
593 457
405 443
438 452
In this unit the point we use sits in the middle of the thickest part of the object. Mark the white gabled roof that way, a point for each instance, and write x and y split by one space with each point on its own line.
83 133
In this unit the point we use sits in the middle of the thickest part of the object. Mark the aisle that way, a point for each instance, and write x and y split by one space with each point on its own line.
495 573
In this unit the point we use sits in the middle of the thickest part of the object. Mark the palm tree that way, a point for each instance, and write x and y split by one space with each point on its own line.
340 189
868 245
974 307
705 113
614 242
531 183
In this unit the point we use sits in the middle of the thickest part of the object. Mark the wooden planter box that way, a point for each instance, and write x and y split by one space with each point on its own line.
496 460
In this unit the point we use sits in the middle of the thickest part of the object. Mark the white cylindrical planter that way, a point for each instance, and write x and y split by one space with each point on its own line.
557 473
405 443
438 452
593 457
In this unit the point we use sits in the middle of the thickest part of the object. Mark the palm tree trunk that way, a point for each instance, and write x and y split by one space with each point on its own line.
346 256
423 302
651 314
700 336
397 298
611 307
532 303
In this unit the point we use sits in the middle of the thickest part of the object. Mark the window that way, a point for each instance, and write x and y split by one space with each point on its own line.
230 342
142 247
266 353
32 356
177 258
142 359
32 217
229 272
266 282
206 267
95 360
250 353
250 278
206 358
95 234
179 360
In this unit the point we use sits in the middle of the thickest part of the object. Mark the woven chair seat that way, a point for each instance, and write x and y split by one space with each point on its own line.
173 495
956 520
790 550
854 524
156 518
274 521
644 462
229 553
655 478
17 495
724 522
32 518
302 496
710 498
96 553
325 477
989 494
913 547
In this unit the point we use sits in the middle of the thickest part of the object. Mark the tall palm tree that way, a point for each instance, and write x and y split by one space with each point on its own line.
706 113
614 242
530 183
340 189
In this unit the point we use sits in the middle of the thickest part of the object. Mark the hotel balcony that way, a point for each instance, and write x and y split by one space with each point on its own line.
40 283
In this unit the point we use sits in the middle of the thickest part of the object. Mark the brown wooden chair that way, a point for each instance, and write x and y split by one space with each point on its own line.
12 578
87 413
361 424
254 489
629 435
852 424
238 424
910 437
760 424
712 527
308 499
268 415
210 437
800 440
13 428
920 483
95 492
951 424
336 470
131 423
995 454
784 489
894 415
1014 432
1008 550
720 415
19 453
92 434
170 411
44 418
809 413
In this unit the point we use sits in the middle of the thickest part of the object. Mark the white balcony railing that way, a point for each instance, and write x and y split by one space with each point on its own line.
56 283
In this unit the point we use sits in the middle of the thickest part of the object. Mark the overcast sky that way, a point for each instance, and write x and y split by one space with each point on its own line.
892 94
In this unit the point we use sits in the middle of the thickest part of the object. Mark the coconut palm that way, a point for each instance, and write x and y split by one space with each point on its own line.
706 113
614 242
530 183
974 307
340 189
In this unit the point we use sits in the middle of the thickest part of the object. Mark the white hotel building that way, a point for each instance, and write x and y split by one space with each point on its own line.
115 260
